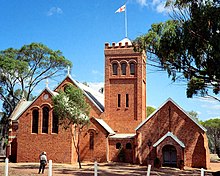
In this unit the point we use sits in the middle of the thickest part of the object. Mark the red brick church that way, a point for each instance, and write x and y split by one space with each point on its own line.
119 130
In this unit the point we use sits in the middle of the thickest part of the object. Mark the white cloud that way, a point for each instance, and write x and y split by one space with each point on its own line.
96 85
54 10
142 2
198 112
155 2
159 5
96 72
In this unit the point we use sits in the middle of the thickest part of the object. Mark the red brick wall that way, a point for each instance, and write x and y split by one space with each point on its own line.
128 153
94 111
170 141
58 146
196 153
134 85
100 143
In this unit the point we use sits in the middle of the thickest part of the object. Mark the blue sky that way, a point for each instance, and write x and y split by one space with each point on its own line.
81 28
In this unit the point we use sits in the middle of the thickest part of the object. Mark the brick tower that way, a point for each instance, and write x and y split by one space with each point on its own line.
125 86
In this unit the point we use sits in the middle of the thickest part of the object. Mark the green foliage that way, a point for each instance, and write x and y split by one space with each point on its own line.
71 107
23 69
194 115
150 110
188 46
73 112
213 133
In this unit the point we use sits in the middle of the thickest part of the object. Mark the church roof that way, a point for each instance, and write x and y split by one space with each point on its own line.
170 100
105 126
169 134
123 41
23 105
94 96
19 109
123 136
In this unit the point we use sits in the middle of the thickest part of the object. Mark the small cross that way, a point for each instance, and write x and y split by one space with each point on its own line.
47 82
68 70
169 109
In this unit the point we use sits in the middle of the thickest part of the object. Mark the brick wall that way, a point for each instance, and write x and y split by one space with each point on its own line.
99 152
196 152
114 152
133 85
30 145
59 147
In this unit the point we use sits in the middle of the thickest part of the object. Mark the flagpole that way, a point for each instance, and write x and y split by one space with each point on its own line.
126 24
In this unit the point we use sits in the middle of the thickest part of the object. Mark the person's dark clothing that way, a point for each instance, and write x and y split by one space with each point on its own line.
43 162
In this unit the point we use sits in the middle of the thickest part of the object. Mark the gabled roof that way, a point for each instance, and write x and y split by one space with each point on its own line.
95 97
23 105
169 134
104 125
170 100
19 109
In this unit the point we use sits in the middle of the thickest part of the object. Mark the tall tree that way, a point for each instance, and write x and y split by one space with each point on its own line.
213 133
194 115
188 45
150 110
73 111
23 69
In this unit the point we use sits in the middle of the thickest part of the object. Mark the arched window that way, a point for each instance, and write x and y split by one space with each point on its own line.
55 123
132 68
128 146
123 68
115 68
118 145
91 140
45 120
35 117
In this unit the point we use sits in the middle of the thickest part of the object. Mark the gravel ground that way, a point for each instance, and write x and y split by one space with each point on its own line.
104 169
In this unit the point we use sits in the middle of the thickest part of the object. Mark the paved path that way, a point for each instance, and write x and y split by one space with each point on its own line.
105 169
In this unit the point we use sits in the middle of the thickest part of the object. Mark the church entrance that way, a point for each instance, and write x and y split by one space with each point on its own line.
169 156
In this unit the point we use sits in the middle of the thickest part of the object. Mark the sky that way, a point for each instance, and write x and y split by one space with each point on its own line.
80 29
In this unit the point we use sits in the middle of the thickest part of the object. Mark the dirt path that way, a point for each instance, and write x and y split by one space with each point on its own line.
104 169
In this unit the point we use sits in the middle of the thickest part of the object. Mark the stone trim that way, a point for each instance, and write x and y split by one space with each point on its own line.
169 134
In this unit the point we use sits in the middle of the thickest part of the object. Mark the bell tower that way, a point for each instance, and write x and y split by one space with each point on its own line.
125 86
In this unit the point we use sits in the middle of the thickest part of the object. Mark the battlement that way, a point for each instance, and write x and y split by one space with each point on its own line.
118 45
125 43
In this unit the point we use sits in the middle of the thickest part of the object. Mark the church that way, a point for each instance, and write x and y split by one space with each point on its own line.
119 130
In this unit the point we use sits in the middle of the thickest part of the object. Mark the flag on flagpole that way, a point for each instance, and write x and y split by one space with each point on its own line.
121 9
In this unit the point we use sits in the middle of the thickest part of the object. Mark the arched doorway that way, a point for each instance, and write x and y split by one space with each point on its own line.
169 156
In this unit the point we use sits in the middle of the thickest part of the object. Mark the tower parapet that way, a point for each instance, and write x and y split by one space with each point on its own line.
118 45
125 43
125 86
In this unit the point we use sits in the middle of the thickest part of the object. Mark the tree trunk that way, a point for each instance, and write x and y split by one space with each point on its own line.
80 166
76 140
78 148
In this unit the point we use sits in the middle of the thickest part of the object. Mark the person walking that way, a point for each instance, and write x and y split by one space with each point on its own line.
43 162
